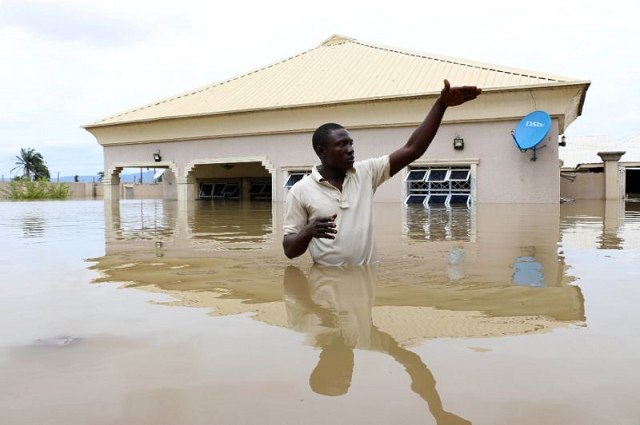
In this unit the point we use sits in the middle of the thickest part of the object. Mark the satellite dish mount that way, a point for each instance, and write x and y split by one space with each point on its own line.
531 131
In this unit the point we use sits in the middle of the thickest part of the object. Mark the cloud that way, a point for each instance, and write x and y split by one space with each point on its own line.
630 117
69 23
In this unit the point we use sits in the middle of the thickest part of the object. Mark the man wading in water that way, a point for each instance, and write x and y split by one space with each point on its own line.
331 211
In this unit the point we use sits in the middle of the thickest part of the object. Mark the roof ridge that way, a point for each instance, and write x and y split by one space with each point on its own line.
207 87
451 60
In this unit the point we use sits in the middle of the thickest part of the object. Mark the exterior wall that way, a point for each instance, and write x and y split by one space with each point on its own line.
504 175
96 190
76 190
169 187
585 186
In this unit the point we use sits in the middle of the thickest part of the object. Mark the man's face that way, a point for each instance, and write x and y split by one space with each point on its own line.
337 152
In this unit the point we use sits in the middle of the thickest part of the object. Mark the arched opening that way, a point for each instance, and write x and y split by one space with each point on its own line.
140 181
235 181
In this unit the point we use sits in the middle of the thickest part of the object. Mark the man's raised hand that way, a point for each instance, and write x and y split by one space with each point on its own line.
454 96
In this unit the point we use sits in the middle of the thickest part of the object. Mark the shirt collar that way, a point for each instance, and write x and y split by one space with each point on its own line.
315 174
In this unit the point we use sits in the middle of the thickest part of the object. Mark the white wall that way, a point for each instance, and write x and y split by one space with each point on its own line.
504 174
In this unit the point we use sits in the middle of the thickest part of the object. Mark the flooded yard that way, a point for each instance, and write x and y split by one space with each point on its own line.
151 312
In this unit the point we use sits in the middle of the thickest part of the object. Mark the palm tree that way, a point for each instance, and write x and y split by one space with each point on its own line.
31 162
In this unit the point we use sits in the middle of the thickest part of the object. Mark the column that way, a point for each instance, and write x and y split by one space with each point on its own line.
186 189
111 188
611 181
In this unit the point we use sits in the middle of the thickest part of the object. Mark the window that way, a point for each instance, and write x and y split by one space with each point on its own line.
294 177
439 185
416 175
415 199
260 191
231 190
219 190
205 190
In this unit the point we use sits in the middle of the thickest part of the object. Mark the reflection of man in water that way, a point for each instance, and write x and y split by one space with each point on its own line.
333 308
331 211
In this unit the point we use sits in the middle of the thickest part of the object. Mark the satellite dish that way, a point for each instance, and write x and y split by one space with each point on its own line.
531 131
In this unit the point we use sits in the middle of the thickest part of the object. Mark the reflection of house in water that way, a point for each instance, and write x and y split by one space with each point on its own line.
600 225
422 291
172 228
439 222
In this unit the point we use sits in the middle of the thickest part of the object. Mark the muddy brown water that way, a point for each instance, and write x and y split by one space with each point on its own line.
150 312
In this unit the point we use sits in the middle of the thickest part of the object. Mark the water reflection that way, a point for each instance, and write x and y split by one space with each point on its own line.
509 278
33 226
333 309
600 225
439 222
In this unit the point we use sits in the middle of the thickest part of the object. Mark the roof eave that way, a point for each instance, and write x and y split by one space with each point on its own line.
424 95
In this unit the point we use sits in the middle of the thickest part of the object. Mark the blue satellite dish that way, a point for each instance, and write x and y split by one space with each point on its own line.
531 131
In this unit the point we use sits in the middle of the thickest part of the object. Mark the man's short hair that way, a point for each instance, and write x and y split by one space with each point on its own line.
322 133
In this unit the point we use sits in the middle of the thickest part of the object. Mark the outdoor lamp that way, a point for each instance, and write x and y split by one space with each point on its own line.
157 157
458 143
563 141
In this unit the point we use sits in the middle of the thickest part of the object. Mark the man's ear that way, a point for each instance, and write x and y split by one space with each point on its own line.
320 151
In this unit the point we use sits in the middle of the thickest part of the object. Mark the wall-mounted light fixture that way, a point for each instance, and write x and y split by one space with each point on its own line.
563 141
227 166
458 143
157 157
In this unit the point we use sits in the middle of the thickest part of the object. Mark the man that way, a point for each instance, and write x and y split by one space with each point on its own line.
331 212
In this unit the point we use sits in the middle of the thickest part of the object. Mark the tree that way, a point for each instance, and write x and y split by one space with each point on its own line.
42 172
100 175
31 163
76 178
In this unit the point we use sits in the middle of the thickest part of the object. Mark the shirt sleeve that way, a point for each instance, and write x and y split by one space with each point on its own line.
379 168
295 216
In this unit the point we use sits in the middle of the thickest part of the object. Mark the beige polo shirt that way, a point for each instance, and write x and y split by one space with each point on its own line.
314 197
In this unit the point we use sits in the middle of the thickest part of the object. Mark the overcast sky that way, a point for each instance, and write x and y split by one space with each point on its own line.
65 63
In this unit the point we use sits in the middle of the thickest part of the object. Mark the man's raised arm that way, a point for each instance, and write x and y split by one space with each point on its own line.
424 134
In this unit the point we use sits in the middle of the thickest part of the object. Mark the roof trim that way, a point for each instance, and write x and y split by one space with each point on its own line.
341 102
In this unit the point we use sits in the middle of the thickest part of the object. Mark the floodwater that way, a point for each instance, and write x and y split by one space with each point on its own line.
145 312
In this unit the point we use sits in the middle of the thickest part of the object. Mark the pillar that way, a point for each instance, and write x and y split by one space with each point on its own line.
611 180
111 188
186 189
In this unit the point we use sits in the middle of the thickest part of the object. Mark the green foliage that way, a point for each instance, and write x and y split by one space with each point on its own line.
32 164
39 189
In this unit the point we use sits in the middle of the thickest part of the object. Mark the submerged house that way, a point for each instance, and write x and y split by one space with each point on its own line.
249 137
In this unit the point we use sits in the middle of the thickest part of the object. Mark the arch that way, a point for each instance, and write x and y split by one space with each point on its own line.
266 163
116 167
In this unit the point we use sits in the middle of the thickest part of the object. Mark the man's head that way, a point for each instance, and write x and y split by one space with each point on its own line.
334 146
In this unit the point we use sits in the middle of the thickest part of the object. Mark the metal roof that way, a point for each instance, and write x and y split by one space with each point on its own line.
339 70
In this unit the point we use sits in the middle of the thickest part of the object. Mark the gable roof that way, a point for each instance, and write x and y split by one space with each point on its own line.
340 70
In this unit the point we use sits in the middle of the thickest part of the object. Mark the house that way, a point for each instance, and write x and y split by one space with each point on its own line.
249 137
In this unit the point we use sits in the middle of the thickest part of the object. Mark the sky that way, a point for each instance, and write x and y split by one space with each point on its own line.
66 63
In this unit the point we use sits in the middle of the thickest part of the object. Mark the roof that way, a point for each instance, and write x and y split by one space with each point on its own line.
366 71
584 150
